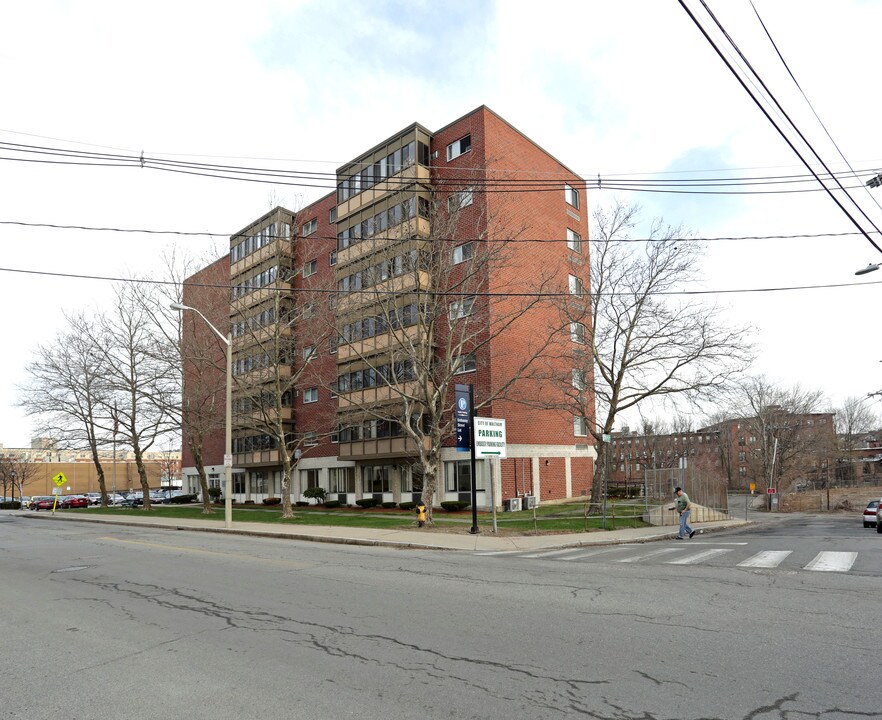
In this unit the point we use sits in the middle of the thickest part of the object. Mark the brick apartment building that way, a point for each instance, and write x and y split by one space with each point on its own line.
474 219
734 453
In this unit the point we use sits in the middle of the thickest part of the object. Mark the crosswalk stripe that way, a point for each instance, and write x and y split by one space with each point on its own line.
693 559
766 559
592 553
653 553
830 561
548 553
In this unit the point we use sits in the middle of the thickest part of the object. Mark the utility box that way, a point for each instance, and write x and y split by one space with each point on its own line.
512 504
530 502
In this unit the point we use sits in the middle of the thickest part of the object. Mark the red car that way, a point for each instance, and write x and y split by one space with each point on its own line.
74 501
43 504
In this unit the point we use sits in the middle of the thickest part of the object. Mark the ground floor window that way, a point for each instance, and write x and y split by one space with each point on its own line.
341 480
412 478
214 480
458 476
375 478
309 479
258 482
239 483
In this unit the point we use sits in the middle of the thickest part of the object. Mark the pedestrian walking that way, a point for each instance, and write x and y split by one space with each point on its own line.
684 507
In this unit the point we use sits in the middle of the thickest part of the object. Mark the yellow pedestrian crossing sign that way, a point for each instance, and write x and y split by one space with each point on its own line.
59 479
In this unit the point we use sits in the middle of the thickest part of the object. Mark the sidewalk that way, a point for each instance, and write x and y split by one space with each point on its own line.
425 538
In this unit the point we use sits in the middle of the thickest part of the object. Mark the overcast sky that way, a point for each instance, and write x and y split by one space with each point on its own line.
613 87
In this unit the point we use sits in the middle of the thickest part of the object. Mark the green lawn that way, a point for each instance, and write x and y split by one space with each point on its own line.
568 517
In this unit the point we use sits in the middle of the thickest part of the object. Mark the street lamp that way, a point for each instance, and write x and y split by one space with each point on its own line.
228 446
14 476
872 267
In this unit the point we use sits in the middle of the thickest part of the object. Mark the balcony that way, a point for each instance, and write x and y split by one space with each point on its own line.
281 247
412 174
419 226
374 395
397 286
377 344
377 448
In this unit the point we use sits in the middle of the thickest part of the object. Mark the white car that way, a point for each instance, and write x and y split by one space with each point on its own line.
879 517
870 514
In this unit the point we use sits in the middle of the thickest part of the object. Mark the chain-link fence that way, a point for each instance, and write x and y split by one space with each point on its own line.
706 493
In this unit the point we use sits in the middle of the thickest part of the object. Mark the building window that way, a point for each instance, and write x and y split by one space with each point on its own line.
458 147
310 439
571 195
310 395
459 200
341 480
309 227
458 476
310 268
577 332
309 353
580 426
375 478
309 479
574 240
465 363
332 344
332 258
332 214
576 286
579 379
461 253
461 308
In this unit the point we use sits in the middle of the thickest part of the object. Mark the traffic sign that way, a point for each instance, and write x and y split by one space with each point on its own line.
59 479
489 437
771 491
463 418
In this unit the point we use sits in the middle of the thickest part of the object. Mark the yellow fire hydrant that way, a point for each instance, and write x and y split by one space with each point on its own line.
421 515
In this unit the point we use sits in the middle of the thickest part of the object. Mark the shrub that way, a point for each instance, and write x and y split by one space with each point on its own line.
365 502
454 505
214 493
10 505
249 502
315 493
389 505
407 505
301 503
332 503
181 499
272 501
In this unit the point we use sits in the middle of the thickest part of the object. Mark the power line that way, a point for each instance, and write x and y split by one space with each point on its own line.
441 293
380 238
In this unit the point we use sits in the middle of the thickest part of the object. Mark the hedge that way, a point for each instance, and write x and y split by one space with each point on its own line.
454 505
331 503
272 501
10 505
181 499
407 505
366 502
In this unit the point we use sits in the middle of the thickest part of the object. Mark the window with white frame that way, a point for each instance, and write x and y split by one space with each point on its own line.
461 308
459 200
458 147
574 240
465 363
309 227
571 195
576 287
332 258
310 439
309 353
309 479
341 479
579 381
310 395
577 332
332 214
464 252
580 426
310 268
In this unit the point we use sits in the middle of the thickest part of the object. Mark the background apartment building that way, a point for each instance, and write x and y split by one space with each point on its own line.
448 249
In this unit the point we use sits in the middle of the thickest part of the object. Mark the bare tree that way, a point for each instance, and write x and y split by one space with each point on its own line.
646 343
67 392
15 474
853 420
141 382
779 440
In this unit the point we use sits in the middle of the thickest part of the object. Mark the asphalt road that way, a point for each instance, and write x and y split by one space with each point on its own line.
118 622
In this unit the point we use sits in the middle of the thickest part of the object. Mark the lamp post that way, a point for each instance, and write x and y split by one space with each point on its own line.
14 476
872 267
228 445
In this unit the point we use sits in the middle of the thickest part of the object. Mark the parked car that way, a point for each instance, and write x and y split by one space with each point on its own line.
115 499
42 503
870 514
879 517
74 501
94 498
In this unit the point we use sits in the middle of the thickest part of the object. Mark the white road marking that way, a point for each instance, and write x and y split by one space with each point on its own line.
693 559
591 553
653 553
549 553
832 562
766 559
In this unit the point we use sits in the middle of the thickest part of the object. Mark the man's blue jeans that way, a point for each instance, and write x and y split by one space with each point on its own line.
685 530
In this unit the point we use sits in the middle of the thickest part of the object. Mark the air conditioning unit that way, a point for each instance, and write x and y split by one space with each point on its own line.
513 504
530 502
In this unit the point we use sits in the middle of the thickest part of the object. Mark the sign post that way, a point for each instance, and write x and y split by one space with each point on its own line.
59 480
465 440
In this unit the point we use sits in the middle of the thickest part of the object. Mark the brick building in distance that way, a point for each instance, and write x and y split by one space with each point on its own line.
464 246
